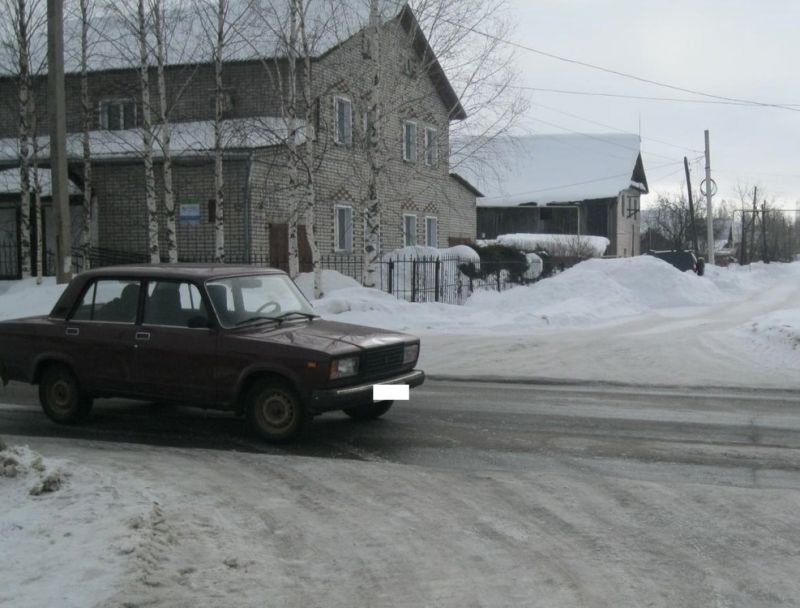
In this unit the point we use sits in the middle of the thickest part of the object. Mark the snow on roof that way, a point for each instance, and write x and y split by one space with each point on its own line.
552 168
187 138
10 182
255 29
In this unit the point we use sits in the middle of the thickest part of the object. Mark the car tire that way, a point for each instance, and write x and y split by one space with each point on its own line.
275 411
369 411
62 398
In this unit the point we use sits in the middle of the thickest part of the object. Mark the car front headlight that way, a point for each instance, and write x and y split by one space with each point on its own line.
410 353
344 368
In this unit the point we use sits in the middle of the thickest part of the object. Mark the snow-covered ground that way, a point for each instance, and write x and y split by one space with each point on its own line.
633 320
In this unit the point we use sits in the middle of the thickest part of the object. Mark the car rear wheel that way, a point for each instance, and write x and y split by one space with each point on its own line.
275 411
61 396
369 411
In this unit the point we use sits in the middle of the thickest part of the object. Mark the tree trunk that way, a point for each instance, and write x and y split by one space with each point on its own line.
169 196
290 119
147 140
372 211
219 181
86 120
310 199
25 99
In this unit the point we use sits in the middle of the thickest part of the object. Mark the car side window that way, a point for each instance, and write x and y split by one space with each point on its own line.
109 300
174 303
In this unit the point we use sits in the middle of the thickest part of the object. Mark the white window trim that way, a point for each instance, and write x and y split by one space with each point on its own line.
116 101
349 136
336 247
428 147
413 159
405 233
436 236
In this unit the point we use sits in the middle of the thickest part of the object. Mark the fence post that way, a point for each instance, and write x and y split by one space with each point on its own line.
498 280
414 280
436 279
390 278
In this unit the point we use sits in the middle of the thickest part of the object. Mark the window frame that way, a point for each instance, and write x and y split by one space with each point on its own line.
92 287
211 317
336 208
435 219
104 104
406 158
405 230
349 135
428 148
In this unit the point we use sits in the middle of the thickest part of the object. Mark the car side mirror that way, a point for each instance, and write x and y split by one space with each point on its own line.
198 322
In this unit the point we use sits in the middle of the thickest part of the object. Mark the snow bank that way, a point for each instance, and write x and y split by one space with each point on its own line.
331 281
26 299
778 329
555 244
65 530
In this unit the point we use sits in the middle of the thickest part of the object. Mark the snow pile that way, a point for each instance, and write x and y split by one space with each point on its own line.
780 327
331 281
555 244
462 253
21 463
26 299
65 530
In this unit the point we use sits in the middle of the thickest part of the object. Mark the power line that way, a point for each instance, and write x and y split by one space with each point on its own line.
639 97
594 122
619 73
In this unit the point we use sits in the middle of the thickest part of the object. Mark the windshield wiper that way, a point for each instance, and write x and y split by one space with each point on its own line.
286 315
254 319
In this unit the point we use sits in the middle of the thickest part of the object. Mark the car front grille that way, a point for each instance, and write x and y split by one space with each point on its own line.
380 361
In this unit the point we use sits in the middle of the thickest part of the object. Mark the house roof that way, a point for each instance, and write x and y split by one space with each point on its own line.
186 138
549 168
256 35
10 182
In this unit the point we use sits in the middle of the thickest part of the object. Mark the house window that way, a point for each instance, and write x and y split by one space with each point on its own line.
431 147
409 141
343 121
343 229
117 114
432 231
409 230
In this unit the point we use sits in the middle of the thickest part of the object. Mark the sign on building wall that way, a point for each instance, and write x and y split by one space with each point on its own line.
189 213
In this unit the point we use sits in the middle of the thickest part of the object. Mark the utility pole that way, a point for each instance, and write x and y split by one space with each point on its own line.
709 209
56 104
764 232
691 205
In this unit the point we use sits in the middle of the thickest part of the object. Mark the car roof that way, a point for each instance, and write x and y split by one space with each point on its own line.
195 272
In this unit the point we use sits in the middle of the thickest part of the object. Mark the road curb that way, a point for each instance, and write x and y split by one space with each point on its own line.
578 382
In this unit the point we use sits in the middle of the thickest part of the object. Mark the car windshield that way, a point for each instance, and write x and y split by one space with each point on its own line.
252 299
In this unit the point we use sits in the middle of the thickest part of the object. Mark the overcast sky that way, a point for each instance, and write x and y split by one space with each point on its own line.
745 49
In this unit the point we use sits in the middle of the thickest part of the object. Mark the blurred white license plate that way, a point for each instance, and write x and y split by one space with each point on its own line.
390 392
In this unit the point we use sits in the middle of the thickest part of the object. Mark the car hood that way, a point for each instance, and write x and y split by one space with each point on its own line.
327 336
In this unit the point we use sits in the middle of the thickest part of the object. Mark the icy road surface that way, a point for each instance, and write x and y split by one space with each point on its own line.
470 495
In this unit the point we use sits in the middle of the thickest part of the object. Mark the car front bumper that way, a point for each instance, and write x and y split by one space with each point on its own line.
349 396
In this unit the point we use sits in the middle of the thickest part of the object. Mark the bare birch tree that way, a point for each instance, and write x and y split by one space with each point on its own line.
159 30
18 32
147 134
375 146
85 10
310 194
219 92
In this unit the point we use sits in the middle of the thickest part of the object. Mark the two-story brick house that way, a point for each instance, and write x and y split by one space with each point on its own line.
422 202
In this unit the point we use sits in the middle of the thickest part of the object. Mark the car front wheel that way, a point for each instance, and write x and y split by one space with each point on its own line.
61 396
369 411
275 411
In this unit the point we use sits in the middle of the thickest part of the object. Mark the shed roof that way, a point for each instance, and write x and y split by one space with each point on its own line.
555 168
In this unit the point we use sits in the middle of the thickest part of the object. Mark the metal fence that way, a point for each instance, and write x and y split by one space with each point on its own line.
9 261
414 279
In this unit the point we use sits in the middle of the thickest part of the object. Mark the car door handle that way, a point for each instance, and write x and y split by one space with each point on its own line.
143 335
73 331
